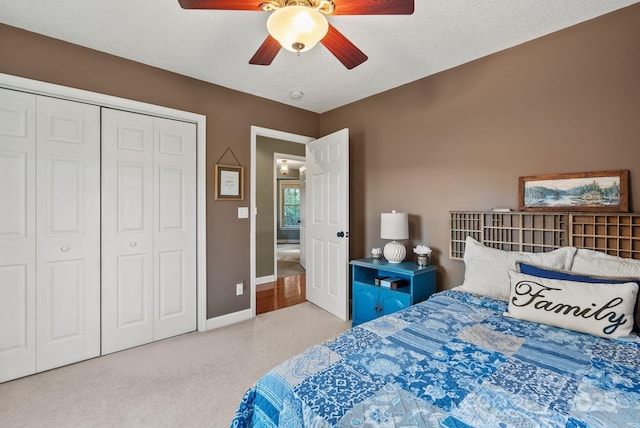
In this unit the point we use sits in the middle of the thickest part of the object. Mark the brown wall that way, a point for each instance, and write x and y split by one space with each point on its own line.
459 140
230 114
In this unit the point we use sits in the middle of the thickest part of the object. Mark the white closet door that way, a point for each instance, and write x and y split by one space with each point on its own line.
127 230
17 234
175 231
68 232
148 229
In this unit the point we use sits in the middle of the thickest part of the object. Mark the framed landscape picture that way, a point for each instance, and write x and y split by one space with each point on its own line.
604 191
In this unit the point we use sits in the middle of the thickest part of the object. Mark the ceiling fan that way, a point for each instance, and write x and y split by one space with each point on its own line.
297 25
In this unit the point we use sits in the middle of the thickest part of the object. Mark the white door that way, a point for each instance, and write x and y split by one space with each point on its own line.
127 230
68 232
327 222
17 234
148 229
175 228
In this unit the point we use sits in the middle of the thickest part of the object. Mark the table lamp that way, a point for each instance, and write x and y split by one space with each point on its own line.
394 226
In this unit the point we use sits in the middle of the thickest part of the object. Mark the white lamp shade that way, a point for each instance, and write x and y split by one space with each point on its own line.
297 28
394 225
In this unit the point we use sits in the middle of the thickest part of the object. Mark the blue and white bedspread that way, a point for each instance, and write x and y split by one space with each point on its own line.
452 361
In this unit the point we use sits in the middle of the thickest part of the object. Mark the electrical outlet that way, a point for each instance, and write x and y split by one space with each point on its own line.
239 289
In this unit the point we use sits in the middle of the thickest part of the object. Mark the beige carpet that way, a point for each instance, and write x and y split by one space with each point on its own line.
193 380
288 256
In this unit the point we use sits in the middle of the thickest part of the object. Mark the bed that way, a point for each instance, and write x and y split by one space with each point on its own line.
528 339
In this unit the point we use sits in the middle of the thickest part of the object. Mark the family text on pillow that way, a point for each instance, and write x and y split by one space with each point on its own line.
599 309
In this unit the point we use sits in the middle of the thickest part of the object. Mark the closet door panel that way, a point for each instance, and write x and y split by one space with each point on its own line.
175 233
14 170
64 287
132 288
172 287
68 232
131 211
127 230
17 234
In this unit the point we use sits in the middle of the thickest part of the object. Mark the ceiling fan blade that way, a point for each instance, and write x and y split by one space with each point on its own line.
221 4
266 52
346 52
373 7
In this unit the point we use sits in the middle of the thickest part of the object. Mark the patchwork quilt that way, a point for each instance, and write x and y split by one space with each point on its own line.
452 361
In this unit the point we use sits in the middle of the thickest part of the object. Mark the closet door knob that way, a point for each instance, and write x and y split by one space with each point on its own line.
64 249
133 244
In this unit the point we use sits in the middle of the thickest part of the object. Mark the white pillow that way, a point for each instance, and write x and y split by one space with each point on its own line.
598 263
487 269
598 309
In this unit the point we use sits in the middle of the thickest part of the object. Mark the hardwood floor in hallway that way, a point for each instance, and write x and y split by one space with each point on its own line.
287 291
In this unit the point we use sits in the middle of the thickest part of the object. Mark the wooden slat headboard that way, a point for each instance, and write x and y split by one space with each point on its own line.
612 233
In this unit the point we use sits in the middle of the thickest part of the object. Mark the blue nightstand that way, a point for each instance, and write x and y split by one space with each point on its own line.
371 301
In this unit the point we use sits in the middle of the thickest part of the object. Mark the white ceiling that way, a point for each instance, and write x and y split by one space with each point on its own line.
215 46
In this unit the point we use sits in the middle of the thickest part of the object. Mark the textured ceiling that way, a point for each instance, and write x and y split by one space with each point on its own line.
215 46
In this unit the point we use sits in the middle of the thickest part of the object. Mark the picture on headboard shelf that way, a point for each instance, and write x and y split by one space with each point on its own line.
602 191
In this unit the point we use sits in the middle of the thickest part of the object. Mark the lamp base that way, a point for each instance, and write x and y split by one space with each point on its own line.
394 252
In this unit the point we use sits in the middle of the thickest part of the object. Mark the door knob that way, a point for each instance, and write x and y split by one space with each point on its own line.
340 234
133 244
64 249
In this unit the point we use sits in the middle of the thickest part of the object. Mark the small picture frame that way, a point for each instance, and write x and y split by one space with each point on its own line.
229 182
601 191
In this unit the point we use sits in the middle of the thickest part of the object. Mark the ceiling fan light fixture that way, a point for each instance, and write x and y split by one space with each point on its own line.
297 28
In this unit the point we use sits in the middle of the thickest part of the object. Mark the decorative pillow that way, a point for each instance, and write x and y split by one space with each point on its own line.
574 276
597 309
487 269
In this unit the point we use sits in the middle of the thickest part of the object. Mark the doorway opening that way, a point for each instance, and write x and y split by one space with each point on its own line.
289 286
326 236
278 278
289 203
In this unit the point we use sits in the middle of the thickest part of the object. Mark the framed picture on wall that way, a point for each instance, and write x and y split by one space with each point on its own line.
604 191
229 182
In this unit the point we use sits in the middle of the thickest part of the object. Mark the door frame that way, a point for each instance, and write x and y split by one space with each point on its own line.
257 131
8 81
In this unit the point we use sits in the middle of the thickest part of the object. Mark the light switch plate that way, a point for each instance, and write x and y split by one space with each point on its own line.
243 212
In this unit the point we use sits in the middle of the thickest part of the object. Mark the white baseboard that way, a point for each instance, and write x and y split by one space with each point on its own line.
228 319
265 279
